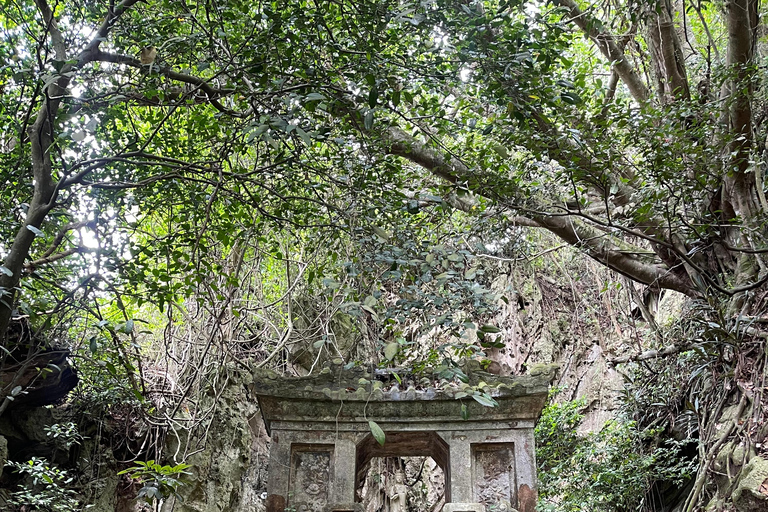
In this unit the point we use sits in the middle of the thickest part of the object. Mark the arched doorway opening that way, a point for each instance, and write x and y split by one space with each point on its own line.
376 466
421 479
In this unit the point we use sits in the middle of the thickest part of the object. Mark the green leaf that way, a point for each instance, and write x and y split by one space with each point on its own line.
381 233
368 120
396 98
501 151
390 351
378 434
35 230
485 400
489 329
5 270
373 97
571 97
304 136
127 327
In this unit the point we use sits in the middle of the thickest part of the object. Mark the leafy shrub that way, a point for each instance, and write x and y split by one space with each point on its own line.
160 482
607 471
48 491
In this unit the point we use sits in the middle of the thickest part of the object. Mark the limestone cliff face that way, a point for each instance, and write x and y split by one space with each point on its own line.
229 467
546 319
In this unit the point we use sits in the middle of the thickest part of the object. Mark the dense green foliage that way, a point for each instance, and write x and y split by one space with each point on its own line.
615 469
292 182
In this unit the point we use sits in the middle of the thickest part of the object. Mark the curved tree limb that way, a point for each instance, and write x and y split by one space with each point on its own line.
634 264
609 49
41 137
211 92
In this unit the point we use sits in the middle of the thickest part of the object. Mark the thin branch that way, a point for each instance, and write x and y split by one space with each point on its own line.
63 233
653 354
704 24
211 92
609 49
58 256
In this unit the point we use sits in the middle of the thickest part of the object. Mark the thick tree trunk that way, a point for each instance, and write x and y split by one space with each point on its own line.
668 57
41 136
739 181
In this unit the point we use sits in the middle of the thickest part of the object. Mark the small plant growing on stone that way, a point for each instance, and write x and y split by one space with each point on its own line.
48 490
160 482
64 435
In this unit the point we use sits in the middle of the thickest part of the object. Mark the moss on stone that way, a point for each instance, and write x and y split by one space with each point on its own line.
751 494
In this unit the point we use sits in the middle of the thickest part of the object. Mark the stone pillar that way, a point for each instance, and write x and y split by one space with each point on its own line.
279 472
460 482
526 472
344 471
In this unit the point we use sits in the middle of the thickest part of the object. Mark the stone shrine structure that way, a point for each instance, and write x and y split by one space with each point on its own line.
322 443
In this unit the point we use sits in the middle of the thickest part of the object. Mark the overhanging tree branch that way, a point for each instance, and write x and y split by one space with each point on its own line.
631 262
211 92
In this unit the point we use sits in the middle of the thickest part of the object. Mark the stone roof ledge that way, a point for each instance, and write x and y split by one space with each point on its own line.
356 395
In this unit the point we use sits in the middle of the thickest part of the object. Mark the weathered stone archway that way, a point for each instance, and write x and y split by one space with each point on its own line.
403 444
322 442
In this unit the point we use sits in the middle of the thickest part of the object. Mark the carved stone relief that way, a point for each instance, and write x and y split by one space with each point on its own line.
494 475
310 477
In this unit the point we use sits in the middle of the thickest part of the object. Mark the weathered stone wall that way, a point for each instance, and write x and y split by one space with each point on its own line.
229 472
554 319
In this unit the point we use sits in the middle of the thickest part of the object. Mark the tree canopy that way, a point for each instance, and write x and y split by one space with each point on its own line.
152 151
578 119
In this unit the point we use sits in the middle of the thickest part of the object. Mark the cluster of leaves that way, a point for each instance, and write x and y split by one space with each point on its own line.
49 488
160 481
64 435
609 471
